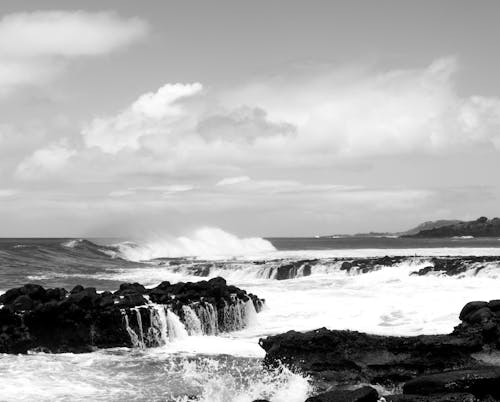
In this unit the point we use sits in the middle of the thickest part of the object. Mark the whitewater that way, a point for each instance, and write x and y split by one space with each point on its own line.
389 300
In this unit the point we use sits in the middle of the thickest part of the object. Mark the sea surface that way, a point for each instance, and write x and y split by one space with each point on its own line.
227 368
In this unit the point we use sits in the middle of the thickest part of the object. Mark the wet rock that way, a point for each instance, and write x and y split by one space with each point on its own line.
471 308
53 320
130 288
451 397
480 382
348 357
364 394
23 302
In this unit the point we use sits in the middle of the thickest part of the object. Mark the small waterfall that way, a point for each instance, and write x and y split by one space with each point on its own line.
208 317
176 329
267 272
250 313
139 323
158 331
133 336
193 323
156 325
232 316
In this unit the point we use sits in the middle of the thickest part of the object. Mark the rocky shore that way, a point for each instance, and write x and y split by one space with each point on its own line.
55 320
450 367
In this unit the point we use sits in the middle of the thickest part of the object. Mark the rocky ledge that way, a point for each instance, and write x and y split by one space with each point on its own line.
55 320
424 368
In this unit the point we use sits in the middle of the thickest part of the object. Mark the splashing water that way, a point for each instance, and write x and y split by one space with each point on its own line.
151 374
206 243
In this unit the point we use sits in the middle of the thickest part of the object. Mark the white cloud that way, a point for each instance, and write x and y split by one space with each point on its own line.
150 114
49 160
311 120
35 46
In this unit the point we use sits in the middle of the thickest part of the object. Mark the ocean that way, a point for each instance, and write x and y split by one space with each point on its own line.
387 299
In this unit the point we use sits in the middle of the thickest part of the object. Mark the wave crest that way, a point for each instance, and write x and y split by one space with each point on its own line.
204 243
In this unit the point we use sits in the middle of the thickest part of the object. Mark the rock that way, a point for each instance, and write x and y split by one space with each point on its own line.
364 394
494 305
432 398
479 316
132 300
23 302
348 357
470 308
478 381
53 320
130 288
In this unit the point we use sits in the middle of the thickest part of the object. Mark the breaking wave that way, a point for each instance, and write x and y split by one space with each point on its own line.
204 243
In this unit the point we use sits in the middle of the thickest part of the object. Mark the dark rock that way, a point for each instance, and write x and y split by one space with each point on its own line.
132 300
53 320
432 398
77 289
479 381
364 394
479 316
494 305
131 288
348 357
470 308
23 302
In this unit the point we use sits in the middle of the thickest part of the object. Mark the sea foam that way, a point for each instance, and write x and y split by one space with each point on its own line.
204 243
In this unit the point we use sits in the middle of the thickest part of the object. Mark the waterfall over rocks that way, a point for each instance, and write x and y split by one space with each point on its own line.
32 317
163 326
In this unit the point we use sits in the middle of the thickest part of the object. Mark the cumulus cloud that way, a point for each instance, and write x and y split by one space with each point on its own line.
34 47
367 113
277 144
150 114
311 120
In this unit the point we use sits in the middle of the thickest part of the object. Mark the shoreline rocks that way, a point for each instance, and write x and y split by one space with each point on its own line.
81 320
426 368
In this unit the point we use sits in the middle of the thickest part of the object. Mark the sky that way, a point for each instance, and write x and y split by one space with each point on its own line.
263 118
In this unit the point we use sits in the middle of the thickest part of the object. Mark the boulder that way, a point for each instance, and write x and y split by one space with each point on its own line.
364 394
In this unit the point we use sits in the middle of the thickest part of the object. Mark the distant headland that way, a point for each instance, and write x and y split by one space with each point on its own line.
481 227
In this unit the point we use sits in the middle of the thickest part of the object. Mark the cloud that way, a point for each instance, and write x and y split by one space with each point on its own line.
312 120
276 148
150 114
49 160
34 47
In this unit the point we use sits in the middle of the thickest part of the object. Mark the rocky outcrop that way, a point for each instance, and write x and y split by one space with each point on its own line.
480 382
55 320
363 394
364 265
436 367
349 357
453 266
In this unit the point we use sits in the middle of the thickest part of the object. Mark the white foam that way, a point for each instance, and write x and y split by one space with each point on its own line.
118 375
204 243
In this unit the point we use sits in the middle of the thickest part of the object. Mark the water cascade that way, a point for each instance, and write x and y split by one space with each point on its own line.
156 325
